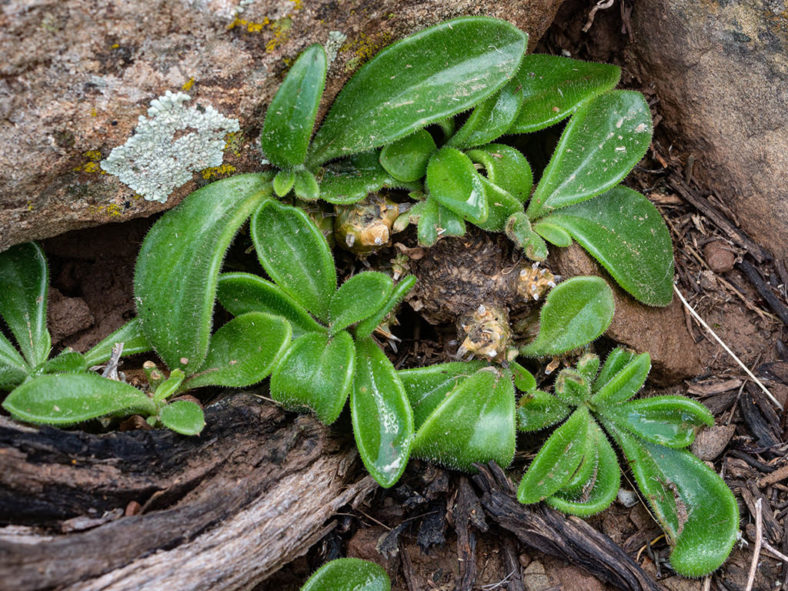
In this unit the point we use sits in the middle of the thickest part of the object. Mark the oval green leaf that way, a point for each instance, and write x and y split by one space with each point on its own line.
500 207
68 361
473 424
695 508
66 399
243 351
406 159
239 293
306 187
295 255
602 142
554 86
183 416
671 421
624 232
553 233
283 182
538 410
290 117
453 182
179 262
13 368
575 313
367 326
316 372
348 574
506 167
490 119
436 73
359 298
351 179
625 383
557 461
616 360
130 334
381 415
427 387
23 299
524 380
436 221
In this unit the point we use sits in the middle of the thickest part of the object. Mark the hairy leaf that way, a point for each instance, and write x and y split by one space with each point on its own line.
557 461
436 221
23 299
572 387
554 86
13 368
367 326
68 361
537 410
306 187
491 118
624 384
244 351
506 167
359 298
500 206
351 179
283 182
183 416
179 262
130 334
348 574
66 399
671 421
524 380
575 313
316 372
453 181
381 415
295 255
427 387
602 142
426 77
616 360
291 115
406 159
474 423
553 233
626 234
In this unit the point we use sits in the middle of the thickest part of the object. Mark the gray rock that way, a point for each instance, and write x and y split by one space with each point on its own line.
720 69
76 75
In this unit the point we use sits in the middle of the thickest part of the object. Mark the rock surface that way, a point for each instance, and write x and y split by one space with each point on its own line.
660 331
720 70
77 74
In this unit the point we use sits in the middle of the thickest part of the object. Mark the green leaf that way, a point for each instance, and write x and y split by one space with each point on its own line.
500 206
553 233
436 221
295 255
23 299
505 167
179 262
130 334
474 423
524 380
554 86
616 360
427 387
518 230
602 142
490 119
66 399
625 383
283 182
306 187
453 181
575 313
584 475
291 115
436 73
588 367
694 507
169 386
572 387
240 293
68 361
626 234
381 414
671 421
13 368
537 410
406 159
556 462
183 416
359 298
316 372
603 486
367 326
351 179
243 351
348 574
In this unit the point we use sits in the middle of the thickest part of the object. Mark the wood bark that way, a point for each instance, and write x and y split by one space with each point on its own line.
222 511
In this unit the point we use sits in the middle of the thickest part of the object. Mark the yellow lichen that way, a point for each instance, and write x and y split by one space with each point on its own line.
234 142
364 47
217 171
188 84
91 164
115 46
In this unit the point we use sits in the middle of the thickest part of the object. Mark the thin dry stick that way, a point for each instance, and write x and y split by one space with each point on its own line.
773 551
601 5
707 583
756 552
697 317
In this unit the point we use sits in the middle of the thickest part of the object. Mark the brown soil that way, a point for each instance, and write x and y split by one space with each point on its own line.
408 529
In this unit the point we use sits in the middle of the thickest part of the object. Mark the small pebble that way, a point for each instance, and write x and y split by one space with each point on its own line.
718 256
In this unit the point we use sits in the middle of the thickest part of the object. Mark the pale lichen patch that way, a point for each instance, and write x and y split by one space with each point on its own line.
169 145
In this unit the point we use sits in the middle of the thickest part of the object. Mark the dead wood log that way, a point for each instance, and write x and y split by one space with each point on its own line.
221 511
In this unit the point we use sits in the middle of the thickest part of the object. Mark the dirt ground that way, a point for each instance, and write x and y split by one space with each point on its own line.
410 529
